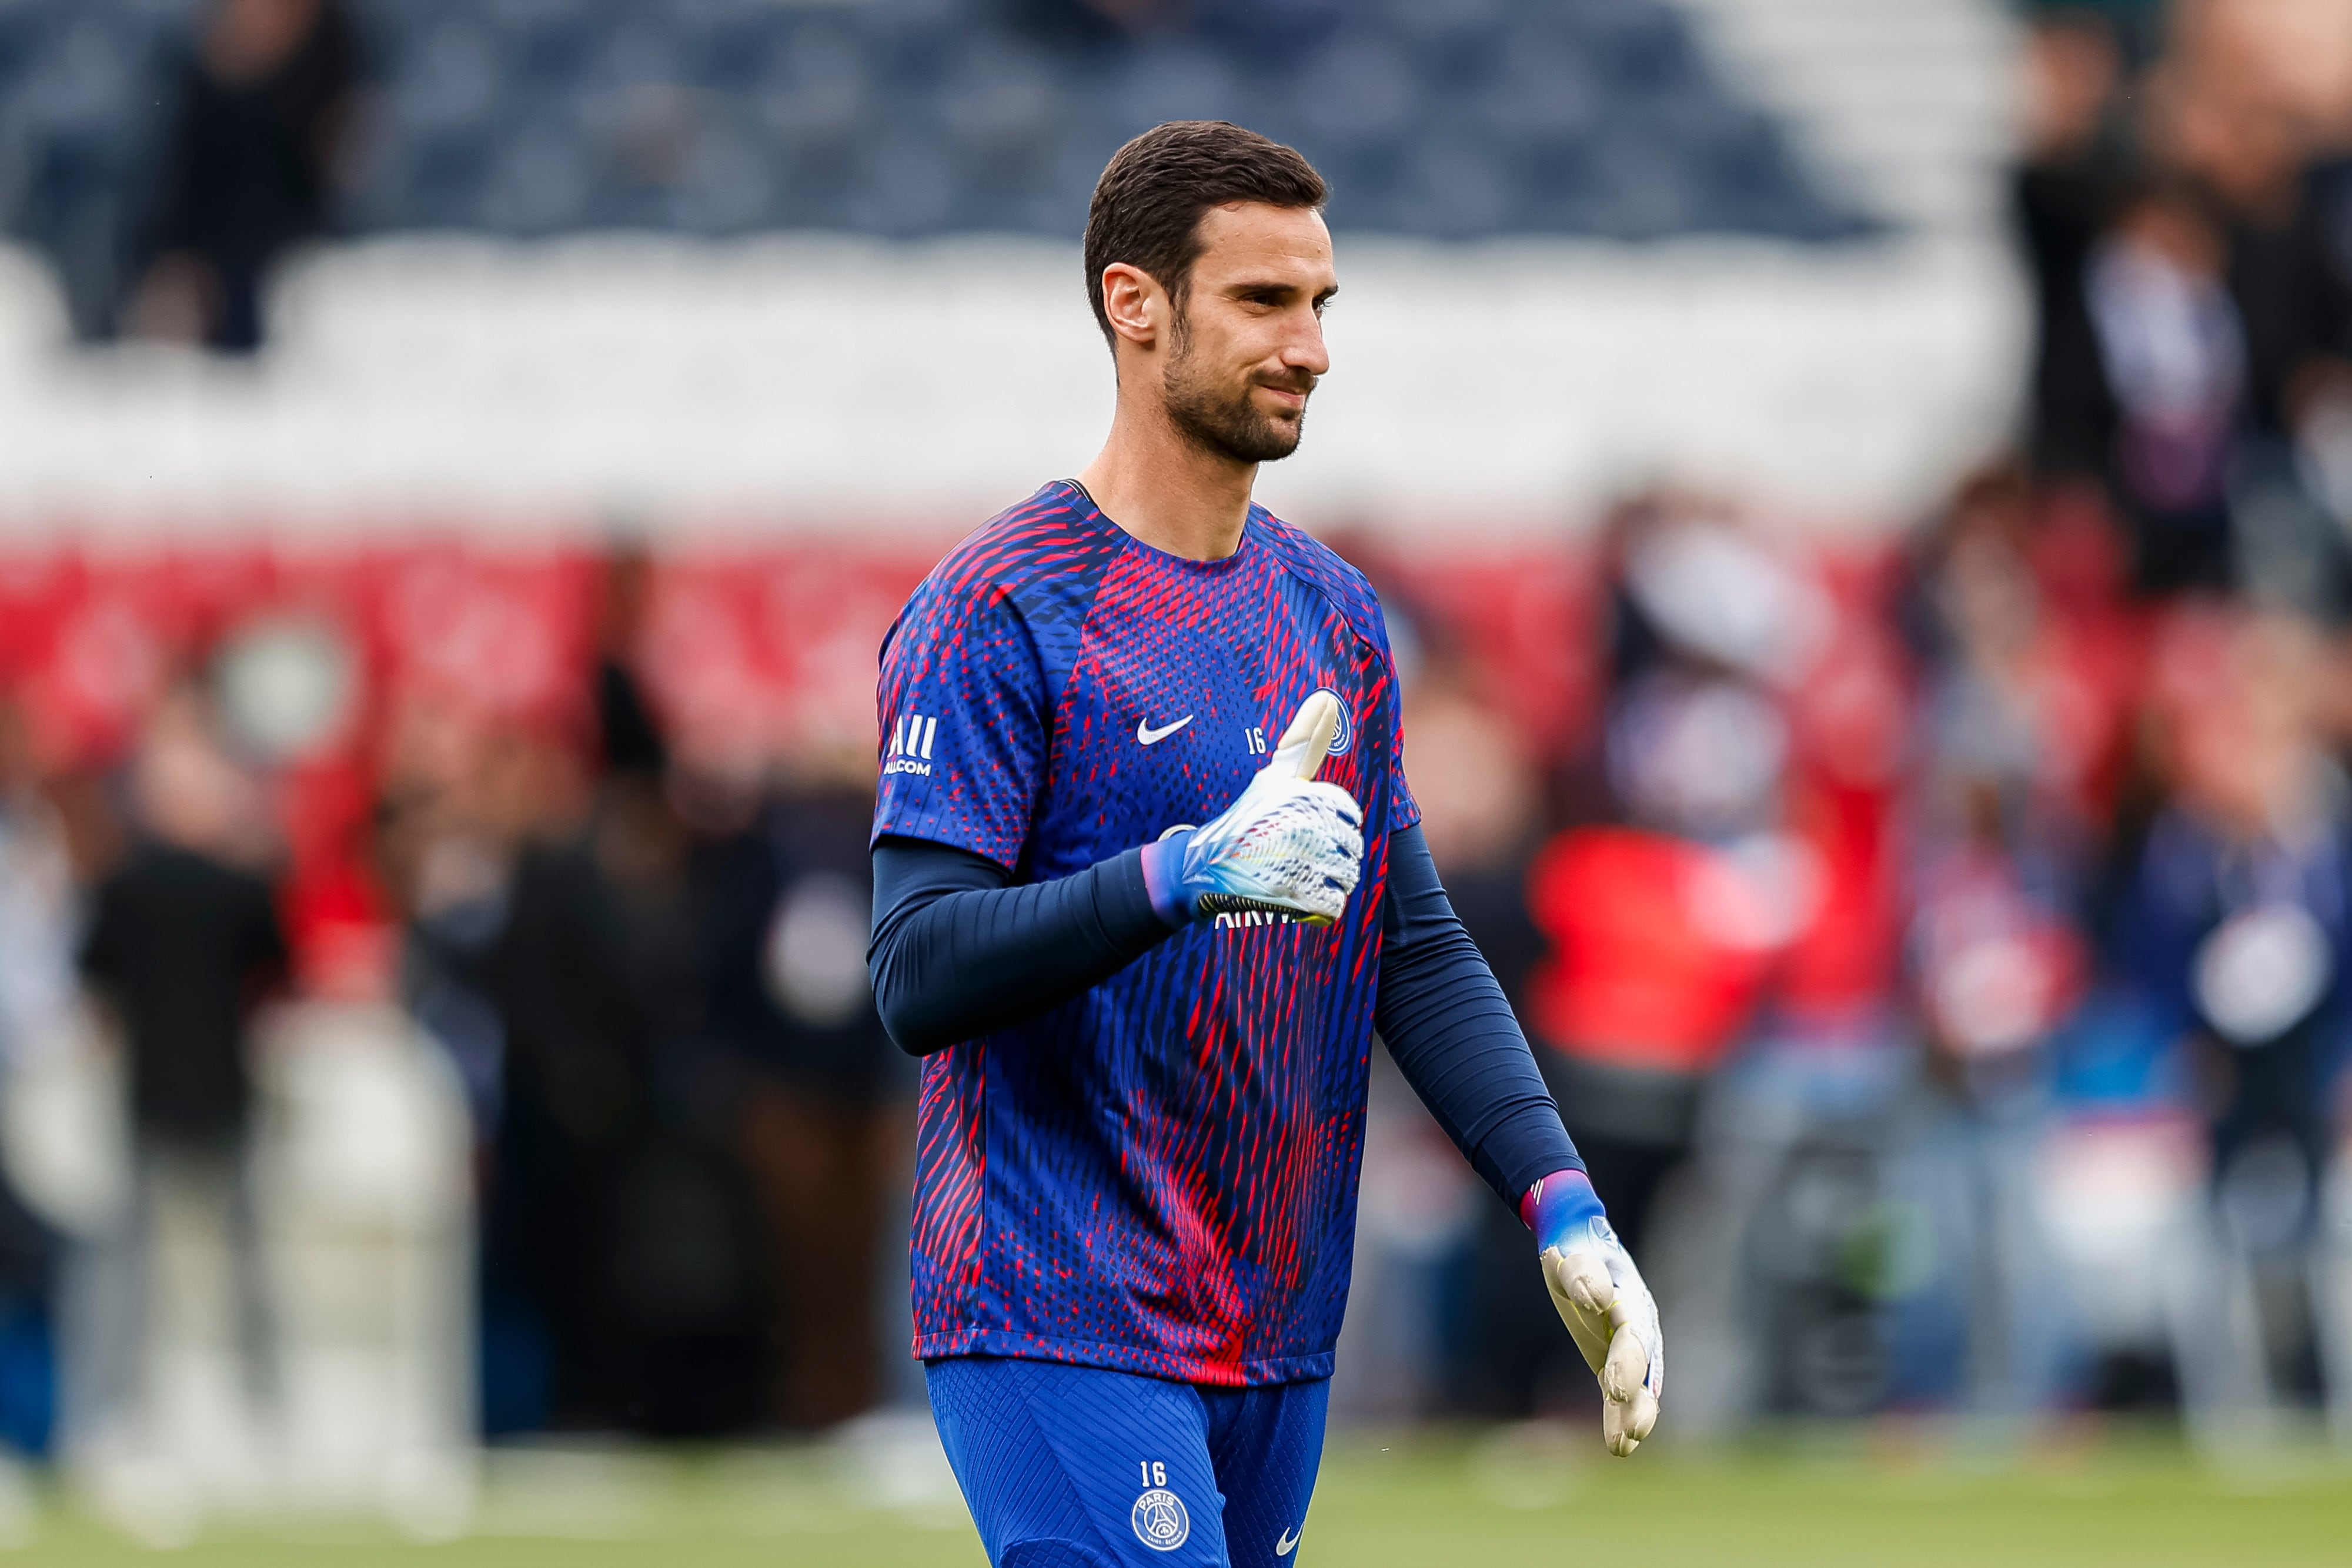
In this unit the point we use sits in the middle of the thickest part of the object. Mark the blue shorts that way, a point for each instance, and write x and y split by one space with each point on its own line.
1076 1467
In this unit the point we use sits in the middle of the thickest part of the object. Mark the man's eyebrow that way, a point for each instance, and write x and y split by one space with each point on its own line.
1278 285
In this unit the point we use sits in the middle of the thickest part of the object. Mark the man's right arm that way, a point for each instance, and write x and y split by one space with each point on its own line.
958 952
966 712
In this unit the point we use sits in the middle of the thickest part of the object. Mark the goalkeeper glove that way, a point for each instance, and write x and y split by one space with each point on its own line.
1285 846
1608 1310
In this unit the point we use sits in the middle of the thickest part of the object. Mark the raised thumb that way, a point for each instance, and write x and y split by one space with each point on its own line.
1307 741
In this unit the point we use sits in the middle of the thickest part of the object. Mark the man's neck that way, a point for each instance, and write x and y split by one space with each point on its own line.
1167 492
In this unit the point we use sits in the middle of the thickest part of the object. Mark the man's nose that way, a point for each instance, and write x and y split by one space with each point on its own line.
1306 350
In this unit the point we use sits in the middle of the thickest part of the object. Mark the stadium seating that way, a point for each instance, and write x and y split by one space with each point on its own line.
1447 119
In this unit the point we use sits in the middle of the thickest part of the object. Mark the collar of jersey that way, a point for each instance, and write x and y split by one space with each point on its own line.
1082 506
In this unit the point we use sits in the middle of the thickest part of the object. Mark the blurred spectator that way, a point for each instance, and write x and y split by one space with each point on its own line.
2248 151
1477 792
1664 929
183 939
631 738
2238 933
2194 295
569 979
684 1292
1476 787
1724 983
1661 930
37 904
263 101
1981 1317
183 944
448 825
2172 346
2239 922
2294 306
2072 160
824 1120
467 805
38 914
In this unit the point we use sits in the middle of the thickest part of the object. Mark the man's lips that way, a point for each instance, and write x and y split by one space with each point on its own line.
1289 397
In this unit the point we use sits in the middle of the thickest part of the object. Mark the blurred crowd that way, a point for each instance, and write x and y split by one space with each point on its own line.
375 927
1940 953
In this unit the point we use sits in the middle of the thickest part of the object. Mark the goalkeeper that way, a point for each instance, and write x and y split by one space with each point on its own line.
1147 877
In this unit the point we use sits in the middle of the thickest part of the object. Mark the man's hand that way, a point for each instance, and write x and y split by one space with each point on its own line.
1286 846
1608 1310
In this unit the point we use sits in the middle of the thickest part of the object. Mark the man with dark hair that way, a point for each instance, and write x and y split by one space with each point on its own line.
1146 1041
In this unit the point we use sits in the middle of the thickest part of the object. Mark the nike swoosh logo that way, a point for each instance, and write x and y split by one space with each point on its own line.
1145 735
1286 1545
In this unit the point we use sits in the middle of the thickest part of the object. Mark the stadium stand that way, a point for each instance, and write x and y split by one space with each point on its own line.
903 118
1906 110
674 222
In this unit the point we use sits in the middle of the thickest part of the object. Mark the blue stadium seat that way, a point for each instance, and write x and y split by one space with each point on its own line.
444 78
1173 83
546 44
913 42
1357 92
539 177
1540 93
1449 39
1452 118
910 187
1454 187
817 102
1002 113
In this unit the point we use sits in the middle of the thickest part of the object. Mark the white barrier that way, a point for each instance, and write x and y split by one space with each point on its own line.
1484 388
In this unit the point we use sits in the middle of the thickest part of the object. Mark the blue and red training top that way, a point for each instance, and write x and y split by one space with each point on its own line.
1160 1175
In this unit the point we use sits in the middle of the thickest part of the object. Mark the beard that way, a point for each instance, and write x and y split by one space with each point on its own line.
1225 422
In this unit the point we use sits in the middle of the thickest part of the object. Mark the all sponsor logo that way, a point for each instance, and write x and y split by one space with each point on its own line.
910 745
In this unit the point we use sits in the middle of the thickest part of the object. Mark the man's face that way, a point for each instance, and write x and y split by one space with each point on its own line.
1247 347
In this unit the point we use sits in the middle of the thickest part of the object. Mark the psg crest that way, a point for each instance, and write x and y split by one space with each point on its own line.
1345 736
1161 1521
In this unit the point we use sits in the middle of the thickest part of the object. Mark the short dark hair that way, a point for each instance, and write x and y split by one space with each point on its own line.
1149 203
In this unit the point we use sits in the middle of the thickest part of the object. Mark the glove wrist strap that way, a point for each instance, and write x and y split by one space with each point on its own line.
1559 1203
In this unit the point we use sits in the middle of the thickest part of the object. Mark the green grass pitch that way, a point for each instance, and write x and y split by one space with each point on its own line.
1525 1497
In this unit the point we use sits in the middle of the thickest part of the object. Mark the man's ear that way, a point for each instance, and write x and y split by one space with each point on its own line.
1135 303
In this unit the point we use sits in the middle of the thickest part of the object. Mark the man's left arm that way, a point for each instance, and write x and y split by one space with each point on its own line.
1453 1036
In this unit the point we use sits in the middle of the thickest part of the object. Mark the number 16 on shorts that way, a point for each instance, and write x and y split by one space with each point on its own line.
1159 1516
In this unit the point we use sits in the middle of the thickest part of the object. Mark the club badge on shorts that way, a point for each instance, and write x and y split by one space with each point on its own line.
1159 1520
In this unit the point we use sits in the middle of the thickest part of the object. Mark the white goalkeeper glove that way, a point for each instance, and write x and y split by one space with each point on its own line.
1608 1310
1287 845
